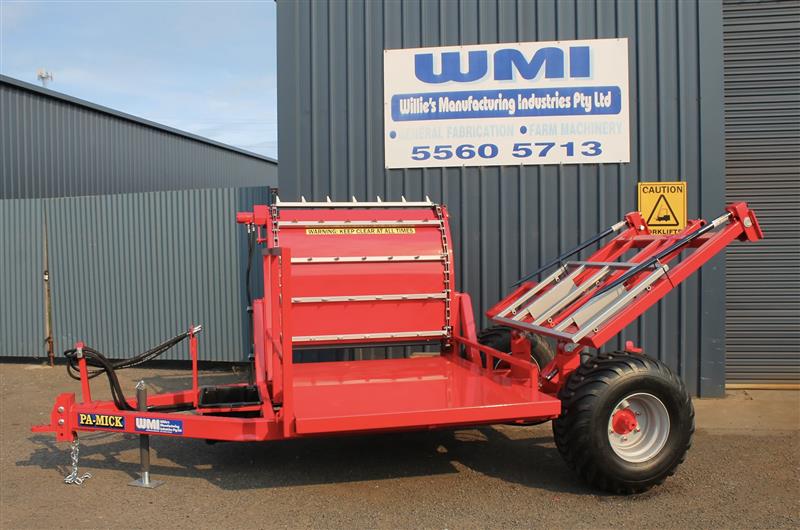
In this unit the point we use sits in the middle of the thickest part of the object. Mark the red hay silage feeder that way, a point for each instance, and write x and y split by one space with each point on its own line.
360 274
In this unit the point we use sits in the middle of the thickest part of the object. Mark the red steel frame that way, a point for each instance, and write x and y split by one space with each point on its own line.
531 394
742 225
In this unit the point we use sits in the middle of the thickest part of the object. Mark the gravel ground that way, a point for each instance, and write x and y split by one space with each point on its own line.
497 477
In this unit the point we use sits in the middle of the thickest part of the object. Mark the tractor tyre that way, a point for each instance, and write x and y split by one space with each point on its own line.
626 422
499 338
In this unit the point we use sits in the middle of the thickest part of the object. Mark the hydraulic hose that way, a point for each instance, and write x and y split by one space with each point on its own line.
102 365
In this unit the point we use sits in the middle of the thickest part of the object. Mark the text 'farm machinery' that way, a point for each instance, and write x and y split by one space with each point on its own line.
357 274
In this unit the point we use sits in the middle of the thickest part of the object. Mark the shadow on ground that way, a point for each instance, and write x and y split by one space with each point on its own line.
515 457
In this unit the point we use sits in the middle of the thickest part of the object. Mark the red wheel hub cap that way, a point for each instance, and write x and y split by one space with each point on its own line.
623 421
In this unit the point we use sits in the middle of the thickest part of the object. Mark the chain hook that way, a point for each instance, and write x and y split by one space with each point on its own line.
73 477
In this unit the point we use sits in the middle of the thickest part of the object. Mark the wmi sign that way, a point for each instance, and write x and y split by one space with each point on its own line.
563 102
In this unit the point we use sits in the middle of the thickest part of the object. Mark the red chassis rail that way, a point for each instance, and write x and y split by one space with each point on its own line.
302 399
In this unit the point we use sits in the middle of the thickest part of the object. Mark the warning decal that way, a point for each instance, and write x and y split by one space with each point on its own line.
663 205
360 231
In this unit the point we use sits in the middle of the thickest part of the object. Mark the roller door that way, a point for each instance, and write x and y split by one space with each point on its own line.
762 127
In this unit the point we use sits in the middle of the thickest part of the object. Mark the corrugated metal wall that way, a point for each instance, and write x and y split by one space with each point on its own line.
762 126
509 220
21 285
128 271
53 145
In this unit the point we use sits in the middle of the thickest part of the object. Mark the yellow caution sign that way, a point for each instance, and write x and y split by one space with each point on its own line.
663 205
383 230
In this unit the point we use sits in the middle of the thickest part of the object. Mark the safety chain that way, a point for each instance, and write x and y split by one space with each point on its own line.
275 229
446 255
74 478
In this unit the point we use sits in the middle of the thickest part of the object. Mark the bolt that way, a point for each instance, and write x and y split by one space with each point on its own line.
638 413
637 429
61 410
611 431
61 421
624 438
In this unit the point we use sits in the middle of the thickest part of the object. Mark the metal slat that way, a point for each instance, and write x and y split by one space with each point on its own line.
364 259
571 296
355 204
368 298
606 312
514 307
535 329
612 264
371 336
552 297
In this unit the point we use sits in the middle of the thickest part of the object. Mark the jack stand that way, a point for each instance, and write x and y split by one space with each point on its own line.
144 445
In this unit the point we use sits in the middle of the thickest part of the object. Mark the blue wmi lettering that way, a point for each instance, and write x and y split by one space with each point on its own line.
505 64
147 424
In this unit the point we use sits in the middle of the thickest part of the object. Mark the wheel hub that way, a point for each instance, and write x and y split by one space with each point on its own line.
624 421
638 427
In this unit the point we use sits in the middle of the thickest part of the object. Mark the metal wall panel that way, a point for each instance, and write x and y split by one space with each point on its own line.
52 145
21 287
762 124
509 220
128 271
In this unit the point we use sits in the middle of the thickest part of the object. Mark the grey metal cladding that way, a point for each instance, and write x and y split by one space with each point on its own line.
762 117
53 145
21 287
128 271
509 220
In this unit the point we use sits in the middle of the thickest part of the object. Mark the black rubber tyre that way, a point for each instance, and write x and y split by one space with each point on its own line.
499 338
582 432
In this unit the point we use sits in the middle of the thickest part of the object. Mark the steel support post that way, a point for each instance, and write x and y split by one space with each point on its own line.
144 445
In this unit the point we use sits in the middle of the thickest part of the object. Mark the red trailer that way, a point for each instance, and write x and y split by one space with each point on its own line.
354 274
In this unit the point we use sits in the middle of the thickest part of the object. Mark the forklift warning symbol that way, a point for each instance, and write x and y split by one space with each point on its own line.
663 205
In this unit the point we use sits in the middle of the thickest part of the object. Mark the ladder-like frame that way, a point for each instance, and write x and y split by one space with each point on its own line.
589 302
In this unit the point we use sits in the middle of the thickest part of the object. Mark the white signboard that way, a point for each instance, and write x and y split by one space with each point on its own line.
563 102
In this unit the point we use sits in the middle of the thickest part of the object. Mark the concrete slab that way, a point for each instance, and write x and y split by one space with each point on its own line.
498 477
752 412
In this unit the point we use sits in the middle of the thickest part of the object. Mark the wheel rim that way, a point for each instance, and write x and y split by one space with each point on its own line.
638 427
